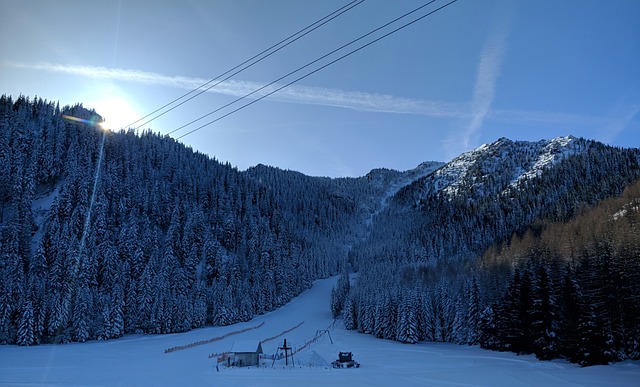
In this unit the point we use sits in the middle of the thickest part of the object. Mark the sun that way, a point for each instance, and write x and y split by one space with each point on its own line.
117 112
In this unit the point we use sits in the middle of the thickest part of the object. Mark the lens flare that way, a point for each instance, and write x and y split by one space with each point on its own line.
94 121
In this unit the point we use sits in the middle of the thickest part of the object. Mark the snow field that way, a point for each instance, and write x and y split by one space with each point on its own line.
140 360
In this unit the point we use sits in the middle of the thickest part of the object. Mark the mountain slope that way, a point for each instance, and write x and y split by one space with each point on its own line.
488 193
418 273
496 167
575 286
104 234
107 233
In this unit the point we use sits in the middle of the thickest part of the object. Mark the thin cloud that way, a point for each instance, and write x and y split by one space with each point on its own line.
296 94
476 112
372 102
623 116
486 79
132 76
483 94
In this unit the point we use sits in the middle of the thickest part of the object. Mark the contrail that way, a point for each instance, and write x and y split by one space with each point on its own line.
486 79
295 94
475 112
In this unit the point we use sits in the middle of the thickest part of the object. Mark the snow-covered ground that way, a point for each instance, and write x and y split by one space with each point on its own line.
142 361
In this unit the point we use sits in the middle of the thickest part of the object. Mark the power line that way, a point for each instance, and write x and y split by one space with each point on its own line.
289 40
314 71
301 68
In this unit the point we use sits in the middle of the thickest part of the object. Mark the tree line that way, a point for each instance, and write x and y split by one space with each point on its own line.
574 287
107 233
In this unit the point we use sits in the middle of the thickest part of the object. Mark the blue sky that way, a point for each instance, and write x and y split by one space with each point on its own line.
466 75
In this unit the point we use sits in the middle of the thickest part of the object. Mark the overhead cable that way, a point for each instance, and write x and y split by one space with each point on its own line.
247 63
309 64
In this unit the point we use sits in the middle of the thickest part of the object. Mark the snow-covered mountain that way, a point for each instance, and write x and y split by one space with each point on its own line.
163 239
496 189
495 167
427 270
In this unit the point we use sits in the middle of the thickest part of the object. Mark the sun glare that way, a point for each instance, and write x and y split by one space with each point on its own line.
117 113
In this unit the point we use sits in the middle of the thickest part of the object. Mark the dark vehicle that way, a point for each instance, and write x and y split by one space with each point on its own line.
345 360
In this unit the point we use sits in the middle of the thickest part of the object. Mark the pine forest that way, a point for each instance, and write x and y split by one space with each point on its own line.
529 247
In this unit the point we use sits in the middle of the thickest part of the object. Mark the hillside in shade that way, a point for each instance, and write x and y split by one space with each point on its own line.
108 233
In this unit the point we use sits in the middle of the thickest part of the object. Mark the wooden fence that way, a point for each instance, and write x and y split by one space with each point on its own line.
222 356
202 342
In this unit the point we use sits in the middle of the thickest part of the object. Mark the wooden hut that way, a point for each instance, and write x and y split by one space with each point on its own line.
246 353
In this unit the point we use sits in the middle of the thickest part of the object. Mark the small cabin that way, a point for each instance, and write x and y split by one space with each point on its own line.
246 353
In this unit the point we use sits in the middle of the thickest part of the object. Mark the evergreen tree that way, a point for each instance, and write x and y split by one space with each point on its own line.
473 315
407 325
339 294
544 327
569 313
26 334
595 345
350 322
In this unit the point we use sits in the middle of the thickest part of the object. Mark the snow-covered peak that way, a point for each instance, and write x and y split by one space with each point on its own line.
503 162
449 177
553 152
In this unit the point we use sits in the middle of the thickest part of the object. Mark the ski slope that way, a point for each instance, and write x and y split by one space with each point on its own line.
140 360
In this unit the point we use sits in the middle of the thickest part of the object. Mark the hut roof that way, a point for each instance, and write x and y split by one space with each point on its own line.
246 346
